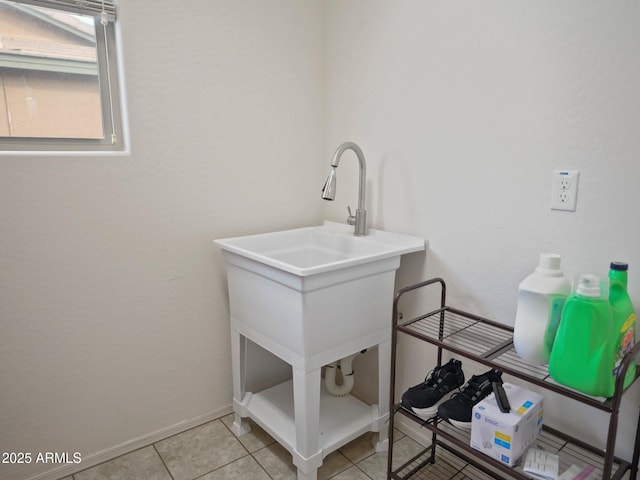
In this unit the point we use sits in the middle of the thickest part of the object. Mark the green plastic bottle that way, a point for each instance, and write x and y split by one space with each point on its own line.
624 318
583 354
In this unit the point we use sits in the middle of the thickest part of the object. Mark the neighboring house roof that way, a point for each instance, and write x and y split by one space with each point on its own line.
30 51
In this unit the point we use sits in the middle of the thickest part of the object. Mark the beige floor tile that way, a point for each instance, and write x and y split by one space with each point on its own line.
143 464
245 468
376 465
447 466
332 464
256 439
212 452
200 450
397 434
277 461
353 473
360 448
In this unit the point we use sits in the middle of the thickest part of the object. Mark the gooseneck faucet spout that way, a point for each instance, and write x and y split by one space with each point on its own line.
329 190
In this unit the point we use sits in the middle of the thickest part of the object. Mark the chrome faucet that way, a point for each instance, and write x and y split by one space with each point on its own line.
329 189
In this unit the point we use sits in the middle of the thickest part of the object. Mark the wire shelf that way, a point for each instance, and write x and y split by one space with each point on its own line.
490 343
450 464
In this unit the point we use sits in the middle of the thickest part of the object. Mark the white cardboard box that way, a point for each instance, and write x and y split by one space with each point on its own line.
505 436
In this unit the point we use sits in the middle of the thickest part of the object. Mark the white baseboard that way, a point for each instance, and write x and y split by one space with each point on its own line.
131 445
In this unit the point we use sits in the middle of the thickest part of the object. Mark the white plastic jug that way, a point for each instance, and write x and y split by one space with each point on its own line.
540 299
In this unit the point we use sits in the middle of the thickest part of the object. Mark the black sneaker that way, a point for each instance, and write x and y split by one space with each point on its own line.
457 410
439 384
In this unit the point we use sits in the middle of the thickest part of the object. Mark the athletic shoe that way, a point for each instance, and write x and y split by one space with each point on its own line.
438 386
457 410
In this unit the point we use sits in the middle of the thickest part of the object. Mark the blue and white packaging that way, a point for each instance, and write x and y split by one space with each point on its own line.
506 436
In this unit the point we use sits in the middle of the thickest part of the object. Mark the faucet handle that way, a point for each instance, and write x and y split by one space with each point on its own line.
351 219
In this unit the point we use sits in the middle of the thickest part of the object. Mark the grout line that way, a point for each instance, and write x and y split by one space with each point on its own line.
131 446
222 466
350 463
246 449
252 454
111 460
162 460
234 435
365 473
260 465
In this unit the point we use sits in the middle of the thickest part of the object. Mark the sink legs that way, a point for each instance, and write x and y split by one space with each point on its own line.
306 398
384 373
299 400
238 371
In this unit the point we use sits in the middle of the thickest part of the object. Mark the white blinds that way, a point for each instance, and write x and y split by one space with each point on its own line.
86 7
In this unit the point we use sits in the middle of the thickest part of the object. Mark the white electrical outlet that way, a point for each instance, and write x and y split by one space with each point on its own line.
564 190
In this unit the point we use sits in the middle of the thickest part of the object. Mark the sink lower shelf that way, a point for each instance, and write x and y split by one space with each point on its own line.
342 419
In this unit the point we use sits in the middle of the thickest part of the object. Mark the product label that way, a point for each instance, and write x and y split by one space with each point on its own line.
629 322
503 440
628 333
524 407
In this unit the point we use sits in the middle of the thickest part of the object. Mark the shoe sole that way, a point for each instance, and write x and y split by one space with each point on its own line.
429 412
461 425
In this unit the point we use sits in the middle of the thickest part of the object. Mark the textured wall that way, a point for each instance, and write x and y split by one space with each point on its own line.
113 303
463 110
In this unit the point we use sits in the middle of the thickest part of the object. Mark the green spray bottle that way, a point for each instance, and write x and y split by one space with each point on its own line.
624 318
583 353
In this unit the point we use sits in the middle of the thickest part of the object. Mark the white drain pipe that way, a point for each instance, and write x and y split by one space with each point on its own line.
348 377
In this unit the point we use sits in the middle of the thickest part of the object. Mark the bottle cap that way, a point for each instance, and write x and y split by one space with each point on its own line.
589 286
549 264
619 266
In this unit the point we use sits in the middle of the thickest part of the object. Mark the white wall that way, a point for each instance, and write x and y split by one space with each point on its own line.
113 304
463 110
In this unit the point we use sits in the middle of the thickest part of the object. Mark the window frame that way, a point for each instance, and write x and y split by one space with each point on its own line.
112 94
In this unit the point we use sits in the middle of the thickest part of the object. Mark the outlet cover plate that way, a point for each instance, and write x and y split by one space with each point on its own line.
564 190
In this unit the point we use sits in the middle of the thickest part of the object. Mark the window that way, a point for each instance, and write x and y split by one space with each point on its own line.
59 83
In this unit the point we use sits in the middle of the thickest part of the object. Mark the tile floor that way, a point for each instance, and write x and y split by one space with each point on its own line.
212 452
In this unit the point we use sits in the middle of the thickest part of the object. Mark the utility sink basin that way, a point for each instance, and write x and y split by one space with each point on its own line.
312 250
315 294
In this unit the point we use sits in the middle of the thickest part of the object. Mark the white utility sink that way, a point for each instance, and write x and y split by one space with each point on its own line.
315 292
312 296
